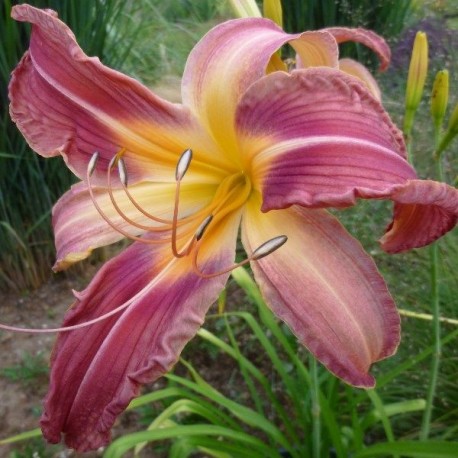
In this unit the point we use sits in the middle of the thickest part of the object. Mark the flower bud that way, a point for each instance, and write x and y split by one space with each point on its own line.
272 10
416 78
439 97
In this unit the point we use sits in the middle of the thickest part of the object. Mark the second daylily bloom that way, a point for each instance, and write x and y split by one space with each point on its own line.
269 154
272 9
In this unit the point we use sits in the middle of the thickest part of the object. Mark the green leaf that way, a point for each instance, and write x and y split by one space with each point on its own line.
411 449
120 446
247 415
21 437
397 408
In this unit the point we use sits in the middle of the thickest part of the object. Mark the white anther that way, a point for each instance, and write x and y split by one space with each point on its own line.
112 162
183 164
92 163
203 227
268 247
122 170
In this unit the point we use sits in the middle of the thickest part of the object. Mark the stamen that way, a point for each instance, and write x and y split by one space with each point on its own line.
172 226
108 220
118 209
181 169
263 250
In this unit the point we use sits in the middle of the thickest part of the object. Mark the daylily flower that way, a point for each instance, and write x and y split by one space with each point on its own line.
269 154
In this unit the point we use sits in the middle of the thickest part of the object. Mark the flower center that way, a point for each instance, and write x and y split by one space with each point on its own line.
184 235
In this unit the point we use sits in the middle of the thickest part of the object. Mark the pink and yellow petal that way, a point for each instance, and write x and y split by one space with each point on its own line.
317 137
326 289
79 228
359 71
97 370
229 59
366 37
423 212
315 49
67 103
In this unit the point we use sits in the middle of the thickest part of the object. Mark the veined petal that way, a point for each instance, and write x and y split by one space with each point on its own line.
230 58
423 212
96 371
365 37
79 228
358 70
326 289
67 103
316 49
317 138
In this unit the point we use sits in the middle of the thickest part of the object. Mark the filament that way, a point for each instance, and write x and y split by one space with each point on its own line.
123 173
111 223
122 214
86 323
172 226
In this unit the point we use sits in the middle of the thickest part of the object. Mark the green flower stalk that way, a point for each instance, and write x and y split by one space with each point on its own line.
450 133
418 70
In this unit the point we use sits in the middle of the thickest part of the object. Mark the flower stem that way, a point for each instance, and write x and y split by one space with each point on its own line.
408 140
316 410
435 306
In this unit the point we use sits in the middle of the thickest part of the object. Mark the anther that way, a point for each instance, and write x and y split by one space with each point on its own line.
268 247
122 171
183 164
203 227
92 163
263 250
112 162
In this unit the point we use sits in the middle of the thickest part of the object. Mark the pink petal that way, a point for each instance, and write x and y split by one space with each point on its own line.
326 289
358 70
423 212
318 138
365 37
96 371
67 103
79 228
231 57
